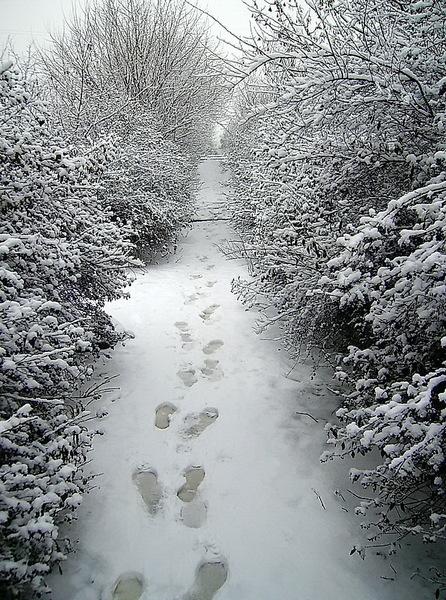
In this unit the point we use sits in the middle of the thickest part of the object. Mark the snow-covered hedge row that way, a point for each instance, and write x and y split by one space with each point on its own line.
339 186
103 170
61 258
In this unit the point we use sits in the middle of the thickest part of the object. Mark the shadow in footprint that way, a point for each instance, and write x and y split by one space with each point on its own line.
146 481
209 578
213 346
210 283
163 415
129 586
182 326
196 423
187 376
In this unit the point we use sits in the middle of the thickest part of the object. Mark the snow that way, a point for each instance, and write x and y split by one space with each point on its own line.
266 507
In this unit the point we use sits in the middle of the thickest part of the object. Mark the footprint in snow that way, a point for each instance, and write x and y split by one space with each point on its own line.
207 313
192 298
186 336
163 415
196 423
210 283
193 513
315 390
129 586
182 326
194 476
213 346
146 480
209 578
211 370
188 376
196 276
188 341
210 267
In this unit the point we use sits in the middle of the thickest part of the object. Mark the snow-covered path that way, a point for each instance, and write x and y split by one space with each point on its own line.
233 479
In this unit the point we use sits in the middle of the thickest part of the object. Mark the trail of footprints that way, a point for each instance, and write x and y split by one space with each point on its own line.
211 575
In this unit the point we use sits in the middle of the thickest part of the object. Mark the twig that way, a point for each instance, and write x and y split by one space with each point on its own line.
318 496
298 412
336 392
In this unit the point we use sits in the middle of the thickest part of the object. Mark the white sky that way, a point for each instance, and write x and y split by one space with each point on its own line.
25 21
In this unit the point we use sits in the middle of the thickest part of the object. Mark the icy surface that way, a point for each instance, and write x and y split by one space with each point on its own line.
228 499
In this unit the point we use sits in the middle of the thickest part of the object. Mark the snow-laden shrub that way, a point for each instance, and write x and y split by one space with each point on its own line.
61 257
348 150
392 277
150 185
289 228
41 485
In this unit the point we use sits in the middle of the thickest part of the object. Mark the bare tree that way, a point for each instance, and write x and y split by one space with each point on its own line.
147 56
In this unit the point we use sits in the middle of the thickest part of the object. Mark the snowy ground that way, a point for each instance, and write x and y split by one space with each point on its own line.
199 388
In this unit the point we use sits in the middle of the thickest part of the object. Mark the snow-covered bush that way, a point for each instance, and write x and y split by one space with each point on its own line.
392 277
338 161
61 257
150 186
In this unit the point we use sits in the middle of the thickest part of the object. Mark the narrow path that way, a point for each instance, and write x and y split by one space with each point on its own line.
211 484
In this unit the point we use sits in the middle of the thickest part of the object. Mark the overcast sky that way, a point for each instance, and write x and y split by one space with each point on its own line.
28 20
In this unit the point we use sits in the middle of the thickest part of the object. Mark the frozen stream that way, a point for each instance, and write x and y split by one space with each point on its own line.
212 485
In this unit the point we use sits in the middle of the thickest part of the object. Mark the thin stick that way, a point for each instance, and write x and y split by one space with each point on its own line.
318 496
307 415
